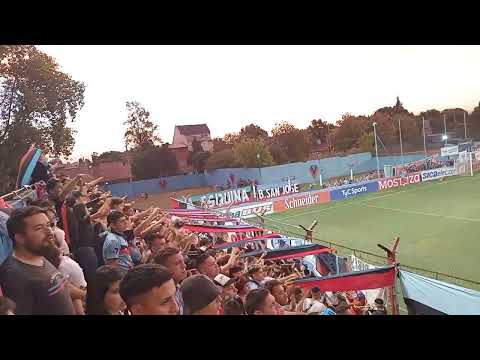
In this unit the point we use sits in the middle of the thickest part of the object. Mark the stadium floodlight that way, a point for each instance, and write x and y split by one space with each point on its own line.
444 137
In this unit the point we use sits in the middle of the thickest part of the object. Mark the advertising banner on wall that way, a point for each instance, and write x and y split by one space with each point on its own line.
299 201
394 182
222 198
276 190
354 190
449 150
249 211
437 173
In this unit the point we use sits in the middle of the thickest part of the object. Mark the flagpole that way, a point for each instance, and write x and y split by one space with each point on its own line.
445 127
376 149
465 124
424 142
401 145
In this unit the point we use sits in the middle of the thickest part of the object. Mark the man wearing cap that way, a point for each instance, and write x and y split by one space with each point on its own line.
200 296
226 286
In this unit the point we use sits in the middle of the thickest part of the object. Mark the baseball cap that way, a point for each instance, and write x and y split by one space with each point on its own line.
224 281
197 292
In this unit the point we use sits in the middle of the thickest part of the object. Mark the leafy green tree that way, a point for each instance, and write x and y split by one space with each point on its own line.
141 132
37 100
252 153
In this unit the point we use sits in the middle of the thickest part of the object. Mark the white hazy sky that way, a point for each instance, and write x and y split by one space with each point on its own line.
228 87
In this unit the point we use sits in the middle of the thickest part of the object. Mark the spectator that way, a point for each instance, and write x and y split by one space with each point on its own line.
71 271
103 297
58 234
27 278
117 204
85 247
227 286
378 308
207 265
233 306
315 303
200 296
149 289
173 260
278 291
236 271
261 302
155 242
7 306
256 278
116 250
242 288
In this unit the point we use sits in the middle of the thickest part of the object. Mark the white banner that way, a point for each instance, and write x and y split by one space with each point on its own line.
437 173
449 150
249 211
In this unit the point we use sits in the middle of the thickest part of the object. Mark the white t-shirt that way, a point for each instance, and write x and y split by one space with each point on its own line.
60 236
311 305
72 271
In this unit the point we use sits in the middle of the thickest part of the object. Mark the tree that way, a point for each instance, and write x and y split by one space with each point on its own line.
198 160
154 162
278 154
231 138
109 156
219 145
367 143
252 153
253 131
37 100
221 160
350 129
319 130
294 142
141 132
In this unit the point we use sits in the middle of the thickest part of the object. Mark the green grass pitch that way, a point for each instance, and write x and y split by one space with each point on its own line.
438 223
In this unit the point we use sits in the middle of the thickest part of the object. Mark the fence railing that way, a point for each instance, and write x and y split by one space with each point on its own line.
366 256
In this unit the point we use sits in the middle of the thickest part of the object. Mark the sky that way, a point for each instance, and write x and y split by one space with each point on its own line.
228 87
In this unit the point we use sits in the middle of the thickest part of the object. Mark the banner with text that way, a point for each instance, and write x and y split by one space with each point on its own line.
354 190
264 192
299 201
222 198
437 173
394 182
249 211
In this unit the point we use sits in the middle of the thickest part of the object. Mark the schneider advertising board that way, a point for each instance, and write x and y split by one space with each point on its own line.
354 190
437 173
299 201
393 182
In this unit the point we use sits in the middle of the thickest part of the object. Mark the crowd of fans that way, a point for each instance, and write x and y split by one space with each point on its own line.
81 251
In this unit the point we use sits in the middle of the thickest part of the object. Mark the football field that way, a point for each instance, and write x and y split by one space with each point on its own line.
438 223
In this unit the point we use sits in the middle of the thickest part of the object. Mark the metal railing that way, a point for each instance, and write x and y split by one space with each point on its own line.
369 257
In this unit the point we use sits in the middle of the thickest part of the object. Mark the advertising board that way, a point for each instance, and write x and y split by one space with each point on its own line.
354 190
394 182
249 211
302 200
437 173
